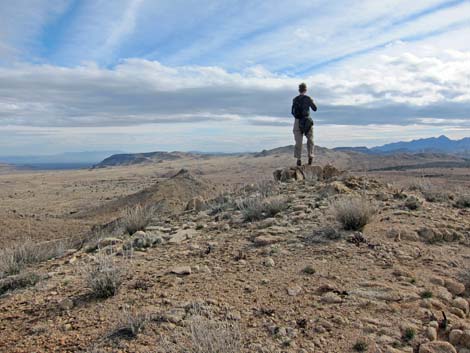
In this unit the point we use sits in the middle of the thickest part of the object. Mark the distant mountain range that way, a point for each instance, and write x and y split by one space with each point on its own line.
441 144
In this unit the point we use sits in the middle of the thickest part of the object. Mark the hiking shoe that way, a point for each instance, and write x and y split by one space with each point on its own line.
310 160
299 162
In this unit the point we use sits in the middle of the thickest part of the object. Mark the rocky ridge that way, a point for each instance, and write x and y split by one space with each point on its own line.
290 281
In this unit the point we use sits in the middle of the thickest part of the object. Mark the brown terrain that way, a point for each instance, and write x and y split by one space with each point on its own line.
211 254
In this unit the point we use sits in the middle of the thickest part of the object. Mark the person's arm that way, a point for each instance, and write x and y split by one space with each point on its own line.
312 105
292 109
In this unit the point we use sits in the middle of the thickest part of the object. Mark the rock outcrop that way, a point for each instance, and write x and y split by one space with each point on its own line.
307 172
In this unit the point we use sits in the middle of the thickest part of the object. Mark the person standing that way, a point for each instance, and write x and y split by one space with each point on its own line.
303 124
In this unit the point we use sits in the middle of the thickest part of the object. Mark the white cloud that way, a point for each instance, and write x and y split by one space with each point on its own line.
405 88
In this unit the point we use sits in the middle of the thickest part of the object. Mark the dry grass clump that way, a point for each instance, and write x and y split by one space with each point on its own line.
137 218
130 324
353 212
221 203
17 282
258 208
209 336
104 276
26 252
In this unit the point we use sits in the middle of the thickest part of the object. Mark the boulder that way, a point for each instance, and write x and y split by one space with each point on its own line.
306 172
437 347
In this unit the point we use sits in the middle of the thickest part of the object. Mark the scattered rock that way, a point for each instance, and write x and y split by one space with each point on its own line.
104 242
437 347
182 235
454 287
431 333
306 172
268 262
264 240
66 304
181 270
331 298
455 337
462 304
294 290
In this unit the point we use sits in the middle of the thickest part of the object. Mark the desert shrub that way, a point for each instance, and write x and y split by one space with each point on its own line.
426 294
209 336
257 208
309 270
104 276
353 212
463 201
27 252
432 194
17 282
361 345
137 218
266 188
409 334
413 203
221 203
130 324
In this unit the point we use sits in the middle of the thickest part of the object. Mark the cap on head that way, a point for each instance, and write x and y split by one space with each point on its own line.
303 87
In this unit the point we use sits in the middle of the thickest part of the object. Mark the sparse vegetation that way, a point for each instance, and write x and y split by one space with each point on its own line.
257 208
353 212
26 252
209 336
409 334
17 282
137 218
413 203
361 345
104 276
426 294
130 324
221 203
309 270
463 201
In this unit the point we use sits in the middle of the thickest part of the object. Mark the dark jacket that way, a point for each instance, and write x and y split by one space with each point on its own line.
305 103
301 110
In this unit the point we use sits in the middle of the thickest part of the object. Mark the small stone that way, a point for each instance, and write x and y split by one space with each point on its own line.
455 336
109 241
331 298
66 304
454 287
268 262
174 315
181 270
294 290
431 333
437 347
465 339
234 315
457 312
264 240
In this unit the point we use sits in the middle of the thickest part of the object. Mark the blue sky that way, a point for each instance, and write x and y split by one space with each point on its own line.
141 75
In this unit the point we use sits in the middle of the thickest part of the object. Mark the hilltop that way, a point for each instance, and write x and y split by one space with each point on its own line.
260 267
